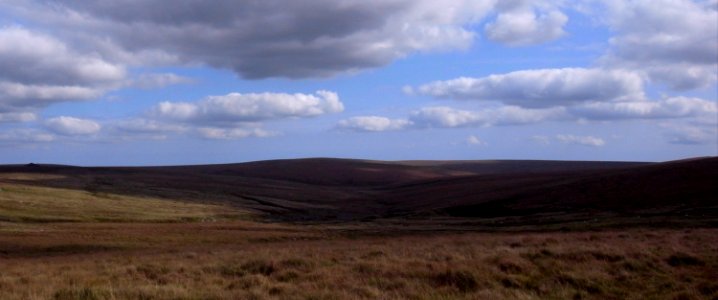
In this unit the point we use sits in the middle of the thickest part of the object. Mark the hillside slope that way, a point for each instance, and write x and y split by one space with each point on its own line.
331 190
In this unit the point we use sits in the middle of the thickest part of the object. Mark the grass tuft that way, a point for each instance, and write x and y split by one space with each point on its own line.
85 293
154 273
259 266
221 261
297 263
579 283
462 280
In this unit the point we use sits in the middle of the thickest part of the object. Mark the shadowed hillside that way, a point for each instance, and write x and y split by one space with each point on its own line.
354 229
331 190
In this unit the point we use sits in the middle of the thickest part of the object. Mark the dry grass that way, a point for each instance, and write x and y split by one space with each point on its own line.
26 203
60 243
246 260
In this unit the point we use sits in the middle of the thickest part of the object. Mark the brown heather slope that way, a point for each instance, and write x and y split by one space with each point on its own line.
331 190
689 186
249 260
376 230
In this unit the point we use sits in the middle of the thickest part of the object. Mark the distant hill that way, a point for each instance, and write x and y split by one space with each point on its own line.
337 190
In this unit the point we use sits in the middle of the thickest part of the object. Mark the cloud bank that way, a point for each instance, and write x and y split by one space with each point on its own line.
298 39
672 41
236 115
70 51
541 88
524 22
373 124
37 70
590 141
70 126
253 107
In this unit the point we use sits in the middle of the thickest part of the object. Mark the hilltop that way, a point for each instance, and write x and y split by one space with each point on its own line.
489 193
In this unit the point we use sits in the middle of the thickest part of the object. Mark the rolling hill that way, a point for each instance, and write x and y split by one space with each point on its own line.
341 190
356 229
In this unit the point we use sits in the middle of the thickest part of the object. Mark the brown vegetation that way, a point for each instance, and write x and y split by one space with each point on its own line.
334 190
246 260
337 229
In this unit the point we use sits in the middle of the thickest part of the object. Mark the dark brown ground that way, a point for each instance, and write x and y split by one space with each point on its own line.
482 193
246 260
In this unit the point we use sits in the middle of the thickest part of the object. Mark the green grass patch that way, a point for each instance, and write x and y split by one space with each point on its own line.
24 203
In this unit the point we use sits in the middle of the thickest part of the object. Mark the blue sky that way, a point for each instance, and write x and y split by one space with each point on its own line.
139 83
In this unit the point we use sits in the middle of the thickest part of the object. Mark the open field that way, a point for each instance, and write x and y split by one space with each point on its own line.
338 229
246 260
25 203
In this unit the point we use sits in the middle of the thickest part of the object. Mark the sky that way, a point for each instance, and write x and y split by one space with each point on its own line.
153 82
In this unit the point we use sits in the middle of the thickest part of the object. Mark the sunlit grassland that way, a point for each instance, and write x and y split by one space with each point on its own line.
27 203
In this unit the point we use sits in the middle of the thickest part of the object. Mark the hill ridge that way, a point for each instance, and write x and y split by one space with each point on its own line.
340 190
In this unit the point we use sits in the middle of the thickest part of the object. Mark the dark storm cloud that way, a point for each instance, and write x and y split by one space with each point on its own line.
259 39
304 20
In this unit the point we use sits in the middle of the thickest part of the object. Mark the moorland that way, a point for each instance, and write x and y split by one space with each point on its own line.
358 229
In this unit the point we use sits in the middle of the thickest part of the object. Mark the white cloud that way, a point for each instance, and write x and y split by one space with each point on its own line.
523 22
147 126
37 70
232 133
691 134
33 58
448 117
673 41
373 123
140 128
18 95
673 107
514 115
236 107
581 140
231 116
542 88
71 126
541 139
17 117
442 116
160 80
694 110
24 136
563 94
474 141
